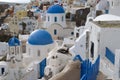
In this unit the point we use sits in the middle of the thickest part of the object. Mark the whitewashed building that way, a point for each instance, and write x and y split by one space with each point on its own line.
101 37
27 66
31 24
55 22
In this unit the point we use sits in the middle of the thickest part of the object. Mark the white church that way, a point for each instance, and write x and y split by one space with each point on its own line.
27 66
55 23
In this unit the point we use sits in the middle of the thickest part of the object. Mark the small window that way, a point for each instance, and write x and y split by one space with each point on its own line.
72 33
112 3
55 19
77 35
48 18
62 18
38 52
55 32
2 70
92 50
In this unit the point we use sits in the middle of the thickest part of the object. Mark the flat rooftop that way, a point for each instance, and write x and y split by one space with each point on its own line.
108 24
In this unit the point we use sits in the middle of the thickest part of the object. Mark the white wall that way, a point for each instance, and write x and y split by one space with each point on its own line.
117 65
61 32
59 20
3 48
114 7
109 38
94 37
115 11
80 46
32 51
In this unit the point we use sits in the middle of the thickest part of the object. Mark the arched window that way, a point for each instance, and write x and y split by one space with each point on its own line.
48 18
55 32
55 19
92 50
62 18
72 33
2 70
38 52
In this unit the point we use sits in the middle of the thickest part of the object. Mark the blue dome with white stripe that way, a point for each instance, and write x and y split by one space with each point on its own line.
55 9
14 42
40 37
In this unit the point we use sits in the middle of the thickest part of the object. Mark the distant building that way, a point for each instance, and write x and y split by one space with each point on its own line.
100 37
13 27
27 25
20 14
28 65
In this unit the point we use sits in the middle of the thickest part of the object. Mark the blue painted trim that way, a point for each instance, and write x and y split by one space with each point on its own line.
110 55
13 42
77 57
42 67
89 71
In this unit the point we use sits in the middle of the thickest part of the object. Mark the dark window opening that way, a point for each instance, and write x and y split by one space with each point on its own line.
55 19
77 35
72 33
38 52
55 32
92 50
62 18
48 18
2 70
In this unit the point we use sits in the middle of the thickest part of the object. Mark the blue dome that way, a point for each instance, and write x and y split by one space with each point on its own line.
13 42
40 37
55 9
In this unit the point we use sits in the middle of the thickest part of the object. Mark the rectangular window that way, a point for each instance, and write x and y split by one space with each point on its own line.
92 50
2 70
48 18
77 35
38 52
55 19
55 32
62 18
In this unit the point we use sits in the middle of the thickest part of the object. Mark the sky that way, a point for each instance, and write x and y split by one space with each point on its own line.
15 1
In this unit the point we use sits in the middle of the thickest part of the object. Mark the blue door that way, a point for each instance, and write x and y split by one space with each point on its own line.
42 67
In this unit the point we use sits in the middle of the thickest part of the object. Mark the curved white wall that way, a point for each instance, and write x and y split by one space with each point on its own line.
32 50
